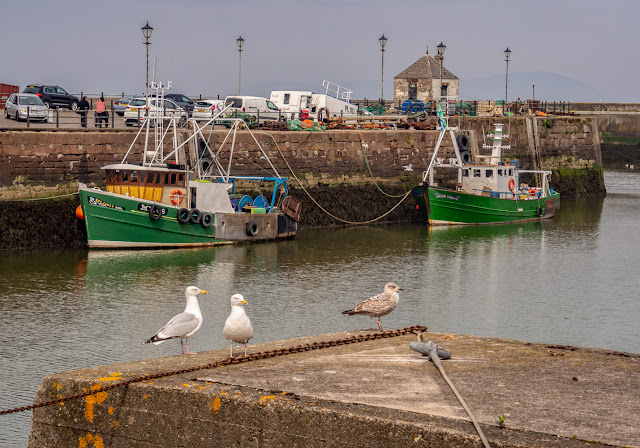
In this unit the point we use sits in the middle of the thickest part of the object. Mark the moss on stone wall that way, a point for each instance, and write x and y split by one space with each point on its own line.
579 182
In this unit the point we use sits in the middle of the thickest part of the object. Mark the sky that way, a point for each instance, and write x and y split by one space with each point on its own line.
98 46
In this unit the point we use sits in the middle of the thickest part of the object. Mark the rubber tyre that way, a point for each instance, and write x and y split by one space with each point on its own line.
184 215
206 219
73 106
49 105
463 142
155 213
17 117
252 228
6 114
195 215
465 156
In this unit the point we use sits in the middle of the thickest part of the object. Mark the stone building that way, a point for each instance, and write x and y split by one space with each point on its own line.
421 81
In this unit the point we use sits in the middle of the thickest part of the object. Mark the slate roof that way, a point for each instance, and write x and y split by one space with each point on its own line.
426 67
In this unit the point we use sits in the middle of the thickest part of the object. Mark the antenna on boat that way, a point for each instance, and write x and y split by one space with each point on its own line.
170 73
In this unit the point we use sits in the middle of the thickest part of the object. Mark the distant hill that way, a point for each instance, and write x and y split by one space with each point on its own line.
549 86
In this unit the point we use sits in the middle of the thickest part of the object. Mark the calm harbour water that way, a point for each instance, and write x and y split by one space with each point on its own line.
569 280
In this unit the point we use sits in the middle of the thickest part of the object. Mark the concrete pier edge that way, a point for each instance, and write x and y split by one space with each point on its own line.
374 394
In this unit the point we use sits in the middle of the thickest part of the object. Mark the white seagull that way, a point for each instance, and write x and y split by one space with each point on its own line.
378 305
182 325
238 326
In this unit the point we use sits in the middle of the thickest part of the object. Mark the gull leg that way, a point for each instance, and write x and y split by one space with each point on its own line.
379 324
182 345
188 351
231 349
245 349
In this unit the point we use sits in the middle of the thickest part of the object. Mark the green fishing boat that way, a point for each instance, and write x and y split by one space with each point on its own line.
179 194
491 192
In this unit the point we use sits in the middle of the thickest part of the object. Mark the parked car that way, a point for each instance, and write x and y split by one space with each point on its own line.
181 100
120 105
23 105
207 109
253 105
158 108
53 96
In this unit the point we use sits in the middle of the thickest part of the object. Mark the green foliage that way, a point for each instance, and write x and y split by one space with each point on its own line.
502 420
608 138
546 123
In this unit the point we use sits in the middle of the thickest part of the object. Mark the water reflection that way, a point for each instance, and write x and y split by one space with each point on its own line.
569 280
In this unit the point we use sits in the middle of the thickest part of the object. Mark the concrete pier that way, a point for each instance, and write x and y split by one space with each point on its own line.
375 393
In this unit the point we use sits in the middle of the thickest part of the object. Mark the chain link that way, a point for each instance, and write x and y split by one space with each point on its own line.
230 361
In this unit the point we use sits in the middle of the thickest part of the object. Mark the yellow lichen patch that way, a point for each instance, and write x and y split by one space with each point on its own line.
115 376
96 441
266 398
216 405
223 393
146 396
116 424
111 410
57 386
91 400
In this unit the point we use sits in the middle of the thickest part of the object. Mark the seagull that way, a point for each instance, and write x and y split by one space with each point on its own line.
238 327
364 144
626 165
378 305
408 167
630 167
182 325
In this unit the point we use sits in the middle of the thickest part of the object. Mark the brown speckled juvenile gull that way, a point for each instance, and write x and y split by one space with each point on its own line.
378 305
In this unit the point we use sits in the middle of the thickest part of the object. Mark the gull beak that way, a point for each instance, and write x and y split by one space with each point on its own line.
243 301
203 292
400 289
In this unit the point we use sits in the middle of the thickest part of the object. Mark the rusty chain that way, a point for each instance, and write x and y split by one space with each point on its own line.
230 361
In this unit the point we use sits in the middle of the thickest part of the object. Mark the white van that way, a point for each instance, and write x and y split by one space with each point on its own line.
256 106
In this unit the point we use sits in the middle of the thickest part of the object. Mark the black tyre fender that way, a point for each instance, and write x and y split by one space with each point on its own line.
463 142
155 212
184 215
252 228
195 216
206 219
465 156
540 211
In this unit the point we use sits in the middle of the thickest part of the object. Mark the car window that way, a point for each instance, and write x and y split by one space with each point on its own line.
30 100
61 91
137 102
31 89
169 105
186 100
271 106
12 99
49 90
234 102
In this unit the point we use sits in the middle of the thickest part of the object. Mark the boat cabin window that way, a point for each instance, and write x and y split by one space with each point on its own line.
465 173
125 176
150 177
476 173
510 172
134 177
488 173
499 172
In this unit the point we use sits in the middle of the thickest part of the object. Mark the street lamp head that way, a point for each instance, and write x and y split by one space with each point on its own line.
383 41
240 42
441 48
146 31
507 53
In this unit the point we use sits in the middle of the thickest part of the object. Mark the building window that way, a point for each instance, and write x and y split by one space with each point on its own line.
413 91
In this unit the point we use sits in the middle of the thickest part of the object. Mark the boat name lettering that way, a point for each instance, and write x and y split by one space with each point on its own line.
101 203
446 196
147 208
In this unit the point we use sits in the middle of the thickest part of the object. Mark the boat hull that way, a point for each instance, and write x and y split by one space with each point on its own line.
117 221
441 206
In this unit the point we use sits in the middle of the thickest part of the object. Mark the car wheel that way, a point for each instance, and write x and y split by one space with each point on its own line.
6 113
48 103
74 106
17 116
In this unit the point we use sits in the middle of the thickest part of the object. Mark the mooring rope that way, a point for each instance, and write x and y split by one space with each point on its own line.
228 361
366 161
316 202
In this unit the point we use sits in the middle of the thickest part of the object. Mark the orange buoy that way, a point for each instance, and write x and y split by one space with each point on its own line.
79 213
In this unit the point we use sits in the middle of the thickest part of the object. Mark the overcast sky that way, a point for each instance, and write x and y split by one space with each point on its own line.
95 46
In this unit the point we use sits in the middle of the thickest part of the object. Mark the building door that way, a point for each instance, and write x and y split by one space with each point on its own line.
413 91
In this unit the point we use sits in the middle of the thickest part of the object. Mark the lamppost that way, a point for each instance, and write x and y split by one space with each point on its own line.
383 42
240 42
534 91
507 53
441 48
146 31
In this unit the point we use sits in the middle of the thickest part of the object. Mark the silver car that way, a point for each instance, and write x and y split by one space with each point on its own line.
26 105
207 109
